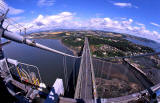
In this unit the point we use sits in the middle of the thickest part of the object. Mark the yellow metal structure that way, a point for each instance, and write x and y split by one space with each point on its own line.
19 73
23 77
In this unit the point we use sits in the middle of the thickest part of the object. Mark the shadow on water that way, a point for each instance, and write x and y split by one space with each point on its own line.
70 90
50 64
73 77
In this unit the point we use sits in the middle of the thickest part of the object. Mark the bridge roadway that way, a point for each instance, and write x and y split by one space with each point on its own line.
85 85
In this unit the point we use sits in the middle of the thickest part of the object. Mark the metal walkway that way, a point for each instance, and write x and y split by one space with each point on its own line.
85 88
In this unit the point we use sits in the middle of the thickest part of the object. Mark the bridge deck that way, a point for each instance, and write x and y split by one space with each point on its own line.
84 89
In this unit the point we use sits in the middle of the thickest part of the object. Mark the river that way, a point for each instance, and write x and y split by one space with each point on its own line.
155 46
50 64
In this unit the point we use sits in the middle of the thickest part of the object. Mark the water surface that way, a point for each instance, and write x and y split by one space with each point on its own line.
155 46
50 64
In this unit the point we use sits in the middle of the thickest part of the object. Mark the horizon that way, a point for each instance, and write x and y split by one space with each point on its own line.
72 30
134 17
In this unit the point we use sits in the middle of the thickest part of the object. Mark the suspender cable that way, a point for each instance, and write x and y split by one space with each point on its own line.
21 39
101 73
65 72
74 75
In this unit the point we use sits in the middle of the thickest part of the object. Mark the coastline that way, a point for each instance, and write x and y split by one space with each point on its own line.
75 50
75 53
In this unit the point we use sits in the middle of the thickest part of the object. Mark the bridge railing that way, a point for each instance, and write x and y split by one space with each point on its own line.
80 77
137 76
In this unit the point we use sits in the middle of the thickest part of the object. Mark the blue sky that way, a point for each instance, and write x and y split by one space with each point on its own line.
136 17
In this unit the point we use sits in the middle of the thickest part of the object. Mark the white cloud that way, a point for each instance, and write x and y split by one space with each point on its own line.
17 18
123 26
61 20
54 19
12 11
45 2
140 24
122 4
68 20
155 24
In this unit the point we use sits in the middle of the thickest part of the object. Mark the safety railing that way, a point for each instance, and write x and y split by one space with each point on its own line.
26 73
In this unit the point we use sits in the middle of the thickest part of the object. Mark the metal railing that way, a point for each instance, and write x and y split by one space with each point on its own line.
26 73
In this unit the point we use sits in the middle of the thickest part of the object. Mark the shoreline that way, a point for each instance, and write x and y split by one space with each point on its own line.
75 53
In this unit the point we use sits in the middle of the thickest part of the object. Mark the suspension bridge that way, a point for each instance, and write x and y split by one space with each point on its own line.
85 91
86 87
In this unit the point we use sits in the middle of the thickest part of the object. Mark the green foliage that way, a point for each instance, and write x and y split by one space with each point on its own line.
98 41
113 54
71 40
98 53
146 49
119 43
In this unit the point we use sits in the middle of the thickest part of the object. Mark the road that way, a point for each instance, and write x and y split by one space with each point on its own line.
84 89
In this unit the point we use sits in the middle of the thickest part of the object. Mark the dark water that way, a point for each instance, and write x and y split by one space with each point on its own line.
50 64
155 46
